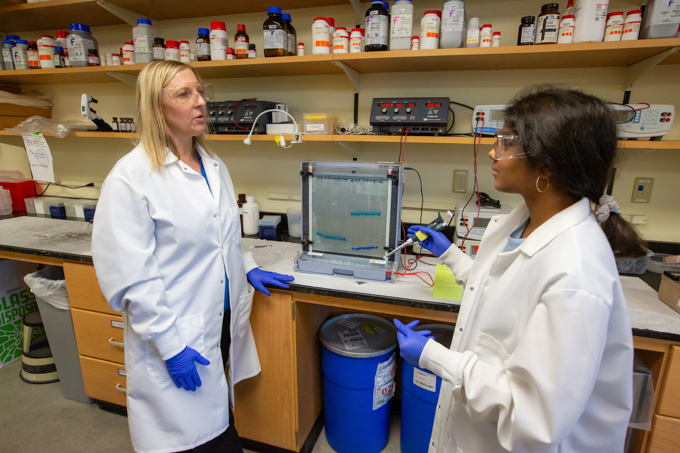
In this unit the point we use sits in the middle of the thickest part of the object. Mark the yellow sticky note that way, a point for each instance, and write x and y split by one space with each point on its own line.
445 286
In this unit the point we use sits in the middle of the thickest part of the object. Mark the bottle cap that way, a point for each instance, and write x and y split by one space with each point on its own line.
325 19
549 6
61 34
184 42
341 28
46 36
172 44
251 46
386 5
80 27
487 26
496 33
218 25
616 13
203 31
301 44
241 27
230 51
274 10
415 37
250 199
8 41
32 42
141 20
474 22
528 19
568 16
286 16
58 49
22 41
438 13
15 37
161 40
128 44
635 11
331 21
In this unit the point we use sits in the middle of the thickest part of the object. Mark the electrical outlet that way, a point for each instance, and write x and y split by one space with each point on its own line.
642 190
460 181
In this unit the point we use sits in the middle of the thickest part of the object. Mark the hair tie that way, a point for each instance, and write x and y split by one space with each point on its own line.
606 206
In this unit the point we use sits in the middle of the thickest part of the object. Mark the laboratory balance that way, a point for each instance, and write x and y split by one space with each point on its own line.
351 217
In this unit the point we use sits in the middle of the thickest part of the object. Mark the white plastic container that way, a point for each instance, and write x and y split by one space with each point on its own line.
356 41
184 52
401 26
171 50
218 40
79 43
294 216
631 26
590 18
46 45
473 33
20 53
142 38
341 40
61 39
321 36
318 123
661 19
115 59
566 33
453 25
485 36
614 28
7 54
415 43
430 28
301 49
496 39
251 217
128 53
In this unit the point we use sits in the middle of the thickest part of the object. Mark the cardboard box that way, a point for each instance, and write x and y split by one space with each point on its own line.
673 259
669 291
11 114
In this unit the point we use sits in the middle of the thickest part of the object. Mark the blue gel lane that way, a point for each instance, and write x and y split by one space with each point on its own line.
369 213
364 248
332 238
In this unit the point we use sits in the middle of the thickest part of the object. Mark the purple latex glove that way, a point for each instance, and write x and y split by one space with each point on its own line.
183 370
258 278
411 343
436 242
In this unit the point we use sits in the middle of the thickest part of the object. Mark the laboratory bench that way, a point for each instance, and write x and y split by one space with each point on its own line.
282 406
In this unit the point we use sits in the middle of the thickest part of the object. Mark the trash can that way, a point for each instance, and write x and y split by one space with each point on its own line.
643 403
359 365
420 395
49 287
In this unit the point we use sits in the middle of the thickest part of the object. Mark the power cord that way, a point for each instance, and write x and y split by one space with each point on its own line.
63 185
422 198
454 120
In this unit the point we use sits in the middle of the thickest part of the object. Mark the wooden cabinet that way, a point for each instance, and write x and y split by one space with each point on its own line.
669 399
665 436
104 380
99 335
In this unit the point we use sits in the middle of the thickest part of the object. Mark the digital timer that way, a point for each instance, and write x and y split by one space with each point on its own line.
421 116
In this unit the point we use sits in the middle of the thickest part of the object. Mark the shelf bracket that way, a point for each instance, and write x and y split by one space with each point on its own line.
351 147
126 15
634 72
125 78
353 75
358 10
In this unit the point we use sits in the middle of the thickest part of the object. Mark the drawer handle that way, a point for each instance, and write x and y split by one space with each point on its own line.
121 389
115 343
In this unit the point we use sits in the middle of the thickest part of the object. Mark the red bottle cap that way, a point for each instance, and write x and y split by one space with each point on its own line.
182 42
486 26
341 28
46 36
568 16
635 11
321 18
63 34
241 27
218 25
496 33
438 13
172 44
331 21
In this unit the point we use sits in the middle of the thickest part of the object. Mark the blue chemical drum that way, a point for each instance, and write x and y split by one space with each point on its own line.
359 366
419 396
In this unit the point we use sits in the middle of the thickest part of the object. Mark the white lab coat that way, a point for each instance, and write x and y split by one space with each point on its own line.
160 245
542 356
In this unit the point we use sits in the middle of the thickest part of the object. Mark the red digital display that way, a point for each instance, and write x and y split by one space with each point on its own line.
400 105
386 105
432 104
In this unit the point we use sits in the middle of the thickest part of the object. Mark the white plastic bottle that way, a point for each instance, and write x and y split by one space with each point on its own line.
415 43
356 42
631 27
321 36
20 53
341 40
128 53
496 39
430 27
46 45
485 36
142 38
184 52
453 25
218 40
614 28
301 49
590 18
473 33
661 19
566 33
251 217
401 25
172 51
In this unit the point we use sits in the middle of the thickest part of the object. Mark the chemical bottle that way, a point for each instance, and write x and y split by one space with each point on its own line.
661 19
631 27
231 55
590 18
114 124
115 57
331 27
128 53
142 37
341 40
172 50
496 39
58 57
275 34
321 36
251 217
203 45
453 25
20 54
301 49
527 31
7 54
240 202
548 26
356 43
184 51
93 58
292 34
60 38
79 42
218 40
614 28
401 29
430 26
486 36
415 43
46 45
473 33
376 27
566 33
241 41
570 8
252 51
33 57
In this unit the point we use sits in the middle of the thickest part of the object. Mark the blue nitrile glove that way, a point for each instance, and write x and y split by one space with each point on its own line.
411 343
183 370
436 242
258 278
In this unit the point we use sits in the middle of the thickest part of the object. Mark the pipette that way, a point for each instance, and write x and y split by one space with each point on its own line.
437 225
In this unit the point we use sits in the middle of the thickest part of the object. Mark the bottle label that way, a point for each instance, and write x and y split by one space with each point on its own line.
402 26
601 12
56 60
355 45
473 36
184 55
218 44
114 126
241 48
202 49
631 30
143 43
252 53
158 53
321 35
528 34
614 29
7 54
33 58
292 44
666 12
486 38
430 27
20 59
78 47
547 28
376 30
340 43
453 18
275 39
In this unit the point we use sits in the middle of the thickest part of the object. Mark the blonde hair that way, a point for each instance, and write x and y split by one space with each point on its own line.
150 122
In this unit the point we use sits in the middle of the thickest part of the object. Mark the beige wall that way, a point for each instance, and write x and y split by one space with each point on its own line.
263 167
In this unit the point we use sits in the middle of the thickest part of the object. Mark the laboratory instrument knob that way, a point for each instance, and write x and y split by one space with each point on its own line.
220 112
229 112
212 113
408 110
384 110
396 110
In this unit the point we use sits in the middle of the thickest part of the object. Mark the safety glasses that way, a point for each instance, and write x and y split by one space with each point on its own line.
188 93
508 146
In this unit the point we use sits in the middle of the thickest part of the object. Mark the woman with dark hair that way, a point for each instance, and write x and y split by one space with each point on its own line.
543 351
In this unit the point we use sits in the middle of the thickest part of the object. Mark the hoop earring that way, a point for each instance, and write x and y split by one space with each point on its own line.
546 187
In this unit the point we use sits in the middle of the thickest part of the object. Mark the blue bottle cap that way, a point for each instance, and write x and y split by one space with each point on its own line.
58 48
286 16
22 41
9 41
203 31
80 27
12 37
141 20
386 5
274 10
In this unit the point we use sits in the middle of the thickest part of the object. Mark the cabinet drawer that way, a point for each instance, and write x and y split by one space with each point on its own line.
96 333
83 288
665 436
669 398
103 380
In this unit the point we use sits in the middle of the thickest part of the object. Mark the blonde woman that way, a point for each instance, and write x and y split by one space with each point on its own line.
167 252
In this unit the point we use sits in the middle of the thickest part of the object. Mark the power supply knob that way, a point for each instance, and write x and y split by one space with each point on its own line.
384 110
229 112
408 110
220 112
396 110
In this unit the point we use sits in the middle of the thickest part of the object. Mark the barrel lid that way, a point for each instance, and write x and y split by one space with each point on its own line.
359 335
442 333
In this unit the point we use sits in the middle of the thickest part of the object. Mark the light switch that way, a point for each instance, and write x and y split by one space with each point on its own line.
642 190
460 181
